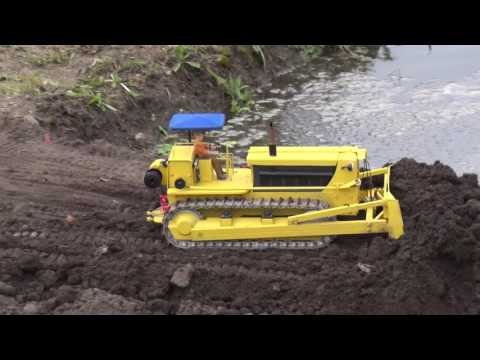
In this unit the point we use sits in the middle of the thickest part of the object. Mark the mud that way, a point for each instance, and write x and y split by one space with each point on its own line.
162 93
73 241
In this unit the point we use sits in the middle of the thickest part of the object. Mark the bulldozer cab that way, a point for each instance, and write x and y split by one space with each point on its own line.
182 159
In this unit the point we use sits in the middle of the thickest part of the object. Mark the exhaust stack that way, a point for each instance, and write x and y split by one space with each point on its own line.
272 146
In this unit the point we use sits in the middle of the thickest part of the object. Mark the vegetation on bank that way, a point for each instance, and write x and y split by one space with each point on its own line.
359 52
194 59
108 82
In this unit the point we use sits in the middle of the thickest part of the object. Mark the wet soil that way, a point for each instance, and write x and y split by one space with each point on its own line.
161 94
73 240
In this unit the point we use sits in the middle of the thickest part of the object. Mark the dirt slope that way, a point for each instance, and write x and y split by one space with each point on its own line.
108 260
73 239
35 82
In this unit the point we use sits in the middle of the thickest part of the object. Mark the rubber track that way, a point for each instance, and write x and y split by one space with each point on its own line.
195 205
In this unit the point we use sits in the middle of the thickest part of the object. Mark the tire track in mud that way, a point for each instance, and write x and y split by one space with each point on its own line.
33 211
109 246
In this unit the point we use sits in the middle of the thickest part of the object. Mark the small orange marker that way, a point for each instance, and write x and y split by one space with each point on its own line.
47 139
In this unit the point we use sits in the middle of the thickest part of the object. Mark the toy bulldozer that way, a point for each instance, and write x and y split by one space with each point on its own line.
286 197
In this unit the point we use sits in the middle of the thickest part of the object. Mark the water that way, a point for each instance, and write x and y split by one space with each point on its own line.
421 104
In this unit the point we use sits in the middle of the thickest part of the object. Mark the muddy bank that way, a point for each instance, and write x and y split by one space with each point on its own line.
65 89
79 94
73 240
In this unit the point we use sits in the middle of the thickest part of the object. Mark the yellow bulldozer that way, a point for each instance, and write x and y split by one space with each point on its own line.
289 197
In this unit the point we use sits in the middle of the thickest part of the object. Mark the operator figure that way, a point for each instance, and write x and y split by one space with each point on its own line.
206 151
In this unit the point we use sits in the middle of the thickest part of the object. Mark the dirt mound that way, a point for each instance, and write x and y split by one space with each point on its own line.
160 90
73 240
96 301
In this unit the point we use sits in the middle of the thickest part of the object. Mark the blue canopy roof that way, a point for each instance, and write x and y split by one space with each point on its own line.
197 121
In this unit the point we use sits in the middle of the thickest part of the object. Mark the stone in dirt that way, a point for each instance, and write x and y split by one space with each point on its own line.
69 219
365 268
48 305
29 263
160 306
74 279
48 278
66 294
8 305
100 302
6 289
30 119
473 208
77 143
183 276
102 250
61 261
140 137
31 308
189 307
475 229
7 301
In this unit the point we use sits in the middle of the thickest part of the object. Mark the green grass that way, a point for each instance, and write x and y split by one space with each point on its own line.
99 100
258 51
183 53
25 84
255 53
134 65
164 149
94 96
95 90
56 56
355 52
92 90
224 56
106 65
310 51
101 67
240 95
117 82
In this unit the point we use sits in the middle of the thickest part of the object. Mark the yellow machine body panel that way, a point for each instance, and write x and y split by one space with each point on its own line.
180 165
341 189
303 155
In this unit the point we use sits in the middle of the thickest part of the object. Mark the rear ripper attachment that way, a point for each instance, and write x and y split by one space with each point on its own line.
288 197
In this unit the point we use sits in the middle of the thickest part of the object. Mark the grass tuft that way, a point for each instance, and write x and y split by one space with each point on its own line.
56 56
24 84
182 55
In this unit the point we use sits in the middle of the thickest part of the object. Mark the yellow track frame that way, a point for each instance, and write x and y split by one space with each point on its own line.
382 215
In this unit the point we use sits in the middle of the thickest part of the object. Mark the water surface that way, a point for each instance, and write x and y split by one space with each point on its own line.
421 104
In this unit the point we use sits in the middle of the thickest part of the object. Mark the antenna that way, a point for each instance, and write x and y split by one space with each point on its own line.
272 146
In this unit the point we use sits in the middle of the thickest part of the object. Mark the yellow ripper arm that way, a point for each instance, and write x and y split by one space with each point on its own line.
341 210
390 214
385 170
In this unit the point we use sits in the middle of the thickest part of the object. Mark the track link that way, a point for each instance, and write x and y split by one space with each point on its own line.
195 205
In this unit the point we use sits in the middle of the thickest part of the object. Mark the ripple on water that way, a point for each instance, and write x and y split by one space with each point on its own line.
393 117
